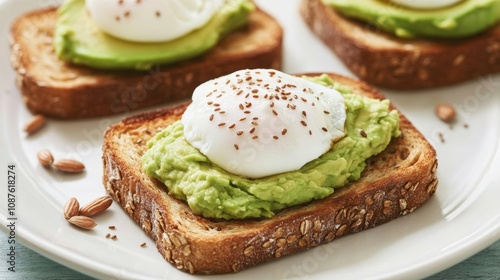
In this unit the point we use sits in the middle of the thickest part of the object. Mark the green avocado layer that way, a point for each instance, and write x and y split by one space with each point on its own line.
79 40
212 192
466 18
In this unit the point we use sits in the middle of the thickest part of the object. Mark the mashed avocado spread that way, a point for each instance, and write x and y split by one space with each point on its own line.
214 193
466 18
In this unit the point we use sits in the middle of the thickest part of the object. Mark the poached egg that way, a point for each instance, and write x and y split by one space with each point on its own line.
151 20
261 122
426 4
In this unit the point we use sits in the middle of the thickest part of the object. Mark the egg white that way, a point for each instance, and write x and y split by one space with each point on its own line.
261 122
151 20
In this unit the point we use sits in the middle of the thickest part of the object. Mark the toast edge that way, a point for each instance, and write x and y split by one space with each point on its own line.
409 65
296 229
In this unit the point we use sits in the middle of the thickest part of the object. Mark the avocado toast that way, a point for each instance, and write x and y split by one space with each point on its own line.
394 183
378 56
56 88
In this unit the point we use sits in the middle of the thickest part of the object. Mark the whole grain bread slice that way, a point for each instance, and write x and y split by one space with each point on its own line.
58 89
384 60
394 183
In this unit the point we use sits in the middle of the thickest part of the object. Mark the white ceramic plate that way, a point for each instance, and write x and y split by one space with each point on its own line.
462 218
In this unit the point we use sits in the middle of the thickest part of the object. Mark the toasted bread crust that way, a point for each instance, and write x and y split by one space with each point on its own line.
383 60
394 183
57 89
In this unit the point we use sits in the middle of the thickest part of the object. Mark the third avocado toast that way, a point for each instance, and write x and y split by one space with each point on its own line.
61 89
400 47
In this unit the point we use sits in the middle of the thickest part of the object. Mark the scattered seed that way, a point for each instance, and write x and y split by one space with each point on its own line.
441 137
45 158
82 222
96 206
68 165
71 208
34 124
446 112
